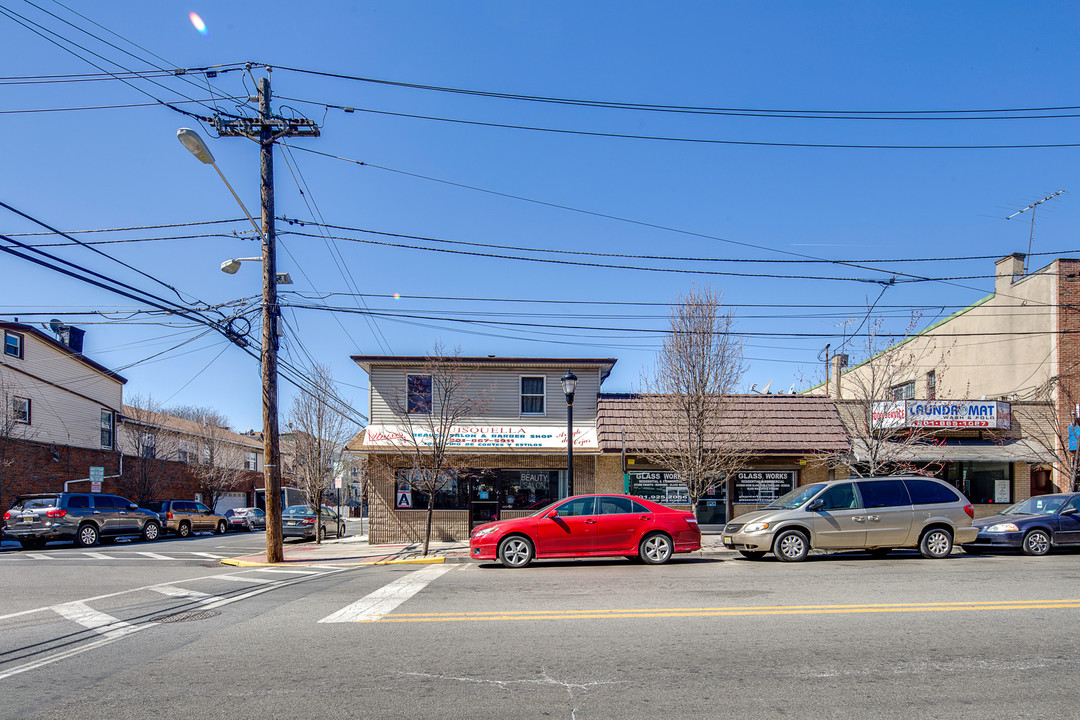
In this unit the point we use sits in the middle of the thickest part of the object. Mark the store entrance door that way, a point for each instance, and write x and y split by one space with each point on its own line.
483 499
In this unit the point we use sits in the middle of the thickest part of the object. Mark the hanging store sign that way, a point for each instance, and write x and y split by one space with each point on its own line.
501 437
957 414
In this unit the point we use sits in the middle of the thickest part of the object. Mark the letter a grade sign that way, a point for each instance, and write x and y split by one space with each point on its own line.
404 500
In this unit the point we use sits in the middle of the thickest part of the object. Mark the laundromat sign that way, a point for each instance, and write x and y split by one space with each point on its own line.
943 414
501 437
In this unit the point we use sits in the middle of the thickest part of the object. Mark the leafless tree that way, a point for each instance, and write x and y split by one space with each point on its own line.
438 399
144 438
215 458
690 424
872 395
320 428
1049 427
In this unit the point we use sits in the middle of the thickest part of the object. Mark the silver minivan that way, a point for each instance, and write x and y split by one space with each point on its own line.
876 514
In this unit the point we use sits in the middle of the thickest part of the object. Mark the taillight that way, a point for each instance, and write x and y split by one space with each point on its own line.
56 513
970 510
691 521
7 516
168 514
309 521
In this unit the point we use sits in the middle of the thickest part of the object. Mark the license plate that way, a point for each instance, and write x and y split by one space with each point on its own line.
28 518
725 538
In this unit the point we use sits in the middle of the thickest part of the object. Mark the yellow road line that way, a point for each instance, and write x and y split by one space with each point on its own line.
733 611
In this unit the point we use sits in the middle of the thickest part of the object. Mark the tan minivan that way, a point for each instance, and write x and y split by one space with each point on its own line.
875 514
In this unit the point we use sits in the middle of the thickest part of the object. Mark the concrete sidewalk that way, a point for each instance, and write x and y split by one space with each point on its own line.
356 550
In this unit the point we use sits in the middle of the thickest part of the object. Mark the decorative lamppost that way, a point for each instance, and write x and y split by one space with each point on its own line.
569 385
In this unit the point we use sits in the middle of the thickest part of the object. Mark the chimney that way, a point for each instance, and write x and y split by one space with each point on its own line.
839 361
1008 270
72 337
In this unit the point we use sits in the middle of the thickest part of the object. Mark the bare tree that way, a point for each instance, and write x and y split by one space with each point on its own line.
1048 426
144 438
320 428
690 424
872 405
437 399
216 459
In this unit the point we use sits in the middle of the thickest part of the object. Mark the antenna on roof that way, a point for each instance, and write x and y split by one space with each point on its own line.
1031 235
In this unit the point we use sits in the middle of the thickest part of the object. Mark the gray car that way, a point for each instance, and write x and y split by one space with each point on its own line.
875 514
299 521
84 518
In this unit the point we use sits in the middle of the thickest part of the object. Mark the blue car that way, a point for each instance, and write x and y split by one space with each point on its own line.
1033 526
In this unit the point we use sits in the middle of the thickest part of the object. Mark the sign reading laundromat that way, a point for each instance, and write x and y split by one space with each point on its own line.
943 414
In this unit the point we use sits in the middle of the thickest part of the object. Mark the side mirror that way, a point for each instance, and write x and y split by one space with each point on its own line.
552 514
815 505
1068 511
133 506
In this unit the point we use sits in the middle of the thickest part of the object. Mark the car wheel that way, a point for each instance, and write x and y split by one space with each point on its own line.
183 530
791 546
151 531
752 554
341 530
656 549
515 551
1036 542
936 543
880 552
87 536
221 527
322 533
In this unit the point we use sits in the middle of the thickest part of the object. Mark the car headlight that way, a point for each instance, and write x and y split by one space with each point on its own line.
756 527
1003 527
485 531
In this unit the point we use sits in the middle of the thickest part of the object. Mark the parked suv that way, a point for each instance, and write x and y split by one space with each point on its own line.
875 514
184 517
84 518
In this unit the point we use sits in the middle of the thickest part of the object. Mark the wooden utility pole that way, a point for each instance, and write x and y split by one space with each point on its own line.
266 129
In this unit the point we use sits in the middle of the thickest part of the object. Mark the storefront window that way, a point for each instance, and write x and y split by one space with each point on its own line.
982 482
452 494
528 489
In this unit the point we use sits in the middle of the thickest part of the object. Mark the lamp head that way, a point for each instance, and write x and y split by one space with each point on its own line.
569 384
230 266
195 145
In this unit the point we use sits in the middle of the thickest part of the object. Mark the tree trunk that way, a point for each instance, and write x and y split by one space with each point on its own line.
430 516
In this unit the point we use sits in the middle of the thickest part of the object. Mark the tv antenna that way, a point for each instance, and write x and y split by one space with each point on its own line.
1032 207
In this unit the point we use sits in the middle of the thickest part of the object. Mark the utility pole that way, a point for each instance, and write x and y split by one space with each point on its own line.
266 129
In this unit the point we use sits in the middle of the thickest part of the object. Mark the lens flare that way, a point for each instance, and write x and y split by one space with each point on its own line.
198 23
397 296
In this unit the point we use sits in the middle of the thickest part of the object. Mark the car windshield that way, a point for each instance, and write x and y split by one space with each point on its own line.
795 499
1045 505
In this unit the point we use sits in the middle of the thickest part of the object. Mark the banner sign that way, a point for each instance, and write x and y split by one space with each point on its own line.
500 437
957 414
761 487
661 487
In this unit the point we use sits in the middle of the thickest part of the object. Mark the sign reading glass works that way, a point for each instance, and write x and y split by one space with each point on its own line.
752 487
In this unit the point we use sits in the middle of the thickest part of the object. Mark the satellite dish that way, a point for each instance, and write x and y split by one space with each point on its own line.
765 390
56 326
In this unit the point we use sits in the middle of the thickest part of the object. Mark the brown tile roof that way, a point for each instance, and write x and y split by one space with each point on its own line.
784 424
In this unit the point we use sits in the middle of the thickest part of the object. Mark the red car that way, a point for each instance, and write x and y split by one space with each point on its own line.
589 526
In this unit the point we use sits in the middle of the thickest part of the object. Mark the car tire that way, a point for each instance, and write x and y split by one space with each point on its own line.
151 531
515 551
183 530
752 554
791 546
936 543
656 549
222 528
321 533
87 536
1036 542
341 530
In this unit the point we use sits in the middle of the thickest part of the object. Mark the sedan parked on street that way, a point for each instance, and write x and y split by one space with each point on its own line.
1034 526
246 519
589 526
299 521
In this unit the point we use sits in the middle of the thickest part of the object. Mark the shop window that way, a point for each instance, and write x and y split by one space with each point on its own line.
983 482
108 428
419 394
528 489
532 395
13 344
904 392
20 410
452 493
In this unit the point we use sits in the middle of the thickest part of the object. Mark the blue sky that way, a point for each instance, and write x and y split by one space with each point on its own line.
571 192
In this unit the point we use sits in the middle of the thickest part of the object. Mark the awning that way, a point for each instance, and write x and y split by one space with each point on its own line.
1010 451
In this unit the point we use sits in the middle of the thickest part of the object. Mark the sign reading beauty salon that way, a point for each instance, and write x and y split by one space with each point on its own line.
501 437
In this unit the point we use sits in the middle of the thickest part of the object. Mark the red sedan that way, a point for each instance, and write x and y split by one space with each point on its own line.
589 526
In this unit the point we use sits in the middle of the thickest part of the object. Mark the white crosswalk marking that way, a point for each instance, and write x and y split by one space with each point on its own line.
242 578
179 592
212 556
39 556
153 555
98 556
95 620
383 601
288 572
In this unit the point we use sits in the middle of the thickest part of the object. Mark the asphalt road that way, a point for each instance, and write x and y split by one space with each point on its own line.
836 637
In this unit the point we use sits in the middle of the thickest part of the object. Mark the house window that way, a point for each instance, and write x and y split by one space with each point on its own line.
532 395
419 389
20 410
251 461
13 344
187 452
904 392
149 445
931 385
107 428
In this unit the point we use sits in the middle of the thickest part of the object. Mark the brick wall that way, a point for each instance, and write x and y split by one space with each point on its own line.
1068 351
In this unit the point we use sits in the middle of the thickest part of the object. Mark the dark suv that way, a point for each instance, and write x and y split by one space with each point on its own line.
84 518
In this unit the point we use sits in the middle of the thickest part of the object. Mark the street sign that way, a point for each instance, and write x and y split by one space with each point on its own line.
97 477
1074 437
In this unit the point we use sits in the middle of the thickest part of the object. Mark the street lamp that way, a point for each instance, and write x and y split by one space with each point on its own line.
569 385
275 551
